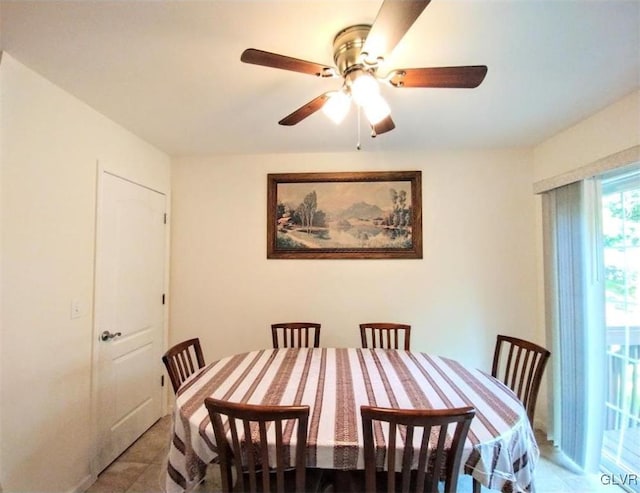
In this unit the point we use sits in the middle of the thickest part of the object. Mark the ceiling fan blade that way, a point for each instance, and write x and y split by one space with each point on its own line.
304 111
267 59
453 77
383 126
394 19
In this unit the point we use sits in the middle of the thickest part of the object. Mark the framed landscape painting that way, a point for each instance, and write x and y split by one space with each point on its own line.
356 215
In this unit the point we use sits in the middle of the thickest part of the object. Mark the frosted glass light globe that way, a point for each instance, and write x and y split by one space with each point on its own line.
364 87
337 106
376 109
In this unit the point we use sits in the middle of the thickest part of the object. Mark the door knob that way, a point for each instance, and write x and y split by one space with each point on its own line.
107 336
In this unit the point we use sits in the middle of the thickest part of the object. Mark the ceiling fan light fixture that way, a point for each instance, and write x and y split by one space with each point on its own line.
364 87
337 106
376 109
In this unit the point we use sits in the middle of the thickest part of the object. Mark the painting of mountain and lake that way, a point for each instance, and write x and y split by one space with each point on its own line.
345 215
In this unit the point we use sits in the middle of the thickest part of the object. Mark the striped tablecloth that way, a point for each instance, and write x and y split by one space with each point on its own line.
500 452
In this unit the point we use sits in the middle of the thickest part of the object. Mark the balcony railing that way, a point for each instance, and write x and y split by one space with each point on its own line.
621 444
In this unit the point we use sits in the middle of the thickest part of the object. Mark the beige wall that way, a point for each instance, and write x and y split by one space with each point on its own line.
477 277
51 143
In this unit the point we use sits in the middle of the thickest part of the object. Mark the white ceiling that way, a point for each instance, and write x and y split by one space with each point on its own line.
170 71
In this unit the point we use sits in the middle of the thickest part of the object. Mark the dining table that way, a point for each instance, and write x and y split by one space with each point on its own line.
500 451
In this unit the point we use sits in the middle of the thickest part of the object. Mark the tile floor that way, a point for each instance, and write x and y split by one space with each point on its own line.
141 469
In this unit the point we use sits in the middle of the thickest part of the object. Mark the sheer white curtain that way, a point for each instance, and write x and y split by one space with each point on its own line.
574 291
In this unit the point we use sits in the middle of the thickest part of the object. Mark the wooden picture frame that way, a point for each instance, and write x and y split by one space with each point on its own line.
359 215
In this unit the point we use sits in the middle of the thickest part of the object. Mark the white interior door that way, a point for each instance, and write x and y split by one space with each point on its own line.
129 313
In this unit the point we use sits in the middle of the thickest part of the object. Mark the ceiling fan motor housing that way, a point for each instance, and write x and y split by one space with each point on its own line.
347 46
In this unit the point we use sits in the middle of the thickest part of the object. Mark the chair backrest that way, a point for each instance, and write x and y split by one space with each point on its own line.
295 334
519 364
181 361
250 456
385 335
437 437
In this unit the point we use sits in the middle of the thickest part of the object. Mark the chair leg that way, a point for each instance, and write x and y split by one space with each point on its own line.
226 477
476 486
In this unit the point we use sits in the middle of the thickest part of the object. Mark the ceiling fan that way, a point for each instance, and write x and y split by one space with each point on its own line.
358 53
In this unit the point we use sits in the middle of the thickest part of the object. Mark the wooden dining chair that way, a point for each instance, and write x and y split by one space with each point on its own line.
250 458
440 433
182 360
295 334
385 335
520 364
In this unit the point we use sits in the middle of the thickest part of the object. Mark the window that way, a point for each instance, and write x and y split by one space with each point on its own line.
621 255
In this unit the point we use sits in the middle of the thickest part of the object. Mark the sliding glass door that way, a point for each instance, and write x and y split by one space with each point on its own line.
621 254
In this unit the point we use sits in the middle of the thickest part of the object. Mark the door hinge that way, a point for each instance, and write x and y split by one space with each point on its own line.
165 218
162 381
163 298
